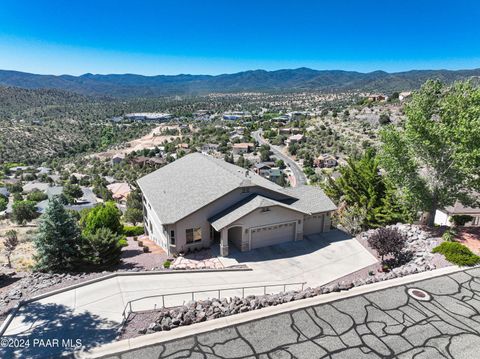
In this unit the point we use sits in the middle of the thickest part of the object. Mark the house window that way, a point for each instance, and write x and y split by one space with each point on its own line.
265 209
245 190
172 236
194 235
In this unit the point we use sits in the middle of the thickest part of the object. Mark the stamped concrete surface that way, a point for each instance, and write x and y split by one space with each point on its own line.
93 313
387 323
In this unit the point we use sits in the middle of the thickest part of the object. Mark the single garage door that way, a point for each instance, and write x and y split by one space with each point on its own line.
313 224
271 235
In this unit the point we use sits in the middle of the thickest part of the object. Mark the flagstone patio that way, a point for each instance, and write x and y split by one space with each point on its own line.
204 259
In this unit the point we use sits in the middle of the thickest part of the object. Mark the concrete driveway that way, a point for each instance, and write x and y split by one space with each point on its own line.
93 313
316 260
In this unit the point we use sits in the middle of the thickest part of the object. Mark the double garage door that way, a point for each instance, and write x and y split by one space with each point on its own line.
271 235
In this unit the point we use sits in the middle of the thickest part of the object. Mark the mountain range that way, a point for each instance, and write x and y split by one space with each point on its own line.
301 79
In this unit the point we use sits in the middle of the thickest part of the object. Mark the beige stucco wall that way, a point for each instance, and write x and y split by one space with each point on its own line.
200 217
156 230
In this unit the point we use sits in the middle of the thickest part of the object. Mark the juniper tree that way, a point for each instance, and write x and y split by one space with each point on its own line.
103 249
24 211
58 240
362 188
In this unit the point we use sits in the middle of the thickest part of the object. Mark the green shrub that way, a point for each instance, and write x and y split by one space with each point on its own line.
3 203
36 196
449 235
102 249
457 253
460 220
104 215
131 231
167 264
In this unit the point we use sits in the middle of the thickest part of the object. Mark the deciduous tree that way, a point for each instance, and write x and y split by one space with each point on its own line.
435 158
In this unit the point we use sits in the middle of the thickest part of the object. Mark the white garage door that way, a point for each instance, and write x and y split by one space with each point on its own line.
271 235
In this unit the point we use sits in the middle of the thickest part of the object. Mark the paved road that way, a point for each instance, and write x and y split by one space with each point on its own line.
382 324
300 178
93 313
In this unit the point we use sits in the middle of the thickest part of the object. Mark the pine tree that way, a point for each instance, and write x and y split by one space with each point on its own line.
58 240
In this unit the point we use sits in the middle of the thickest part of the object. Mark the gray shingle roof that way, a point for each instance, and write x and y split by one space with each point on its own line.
193 181
4 191
459 208
242 208
311 199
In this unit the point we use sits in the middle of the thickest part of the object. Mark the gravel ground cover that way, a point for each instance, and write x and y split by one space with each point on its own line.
419 245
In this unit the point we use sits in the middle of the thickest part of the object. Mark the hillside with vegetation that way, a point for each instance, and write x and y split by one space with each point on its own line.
36 125
301 79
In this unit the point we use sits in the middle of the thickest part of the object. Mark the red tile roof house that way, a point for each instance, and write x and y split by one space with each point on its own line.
120 190
199 201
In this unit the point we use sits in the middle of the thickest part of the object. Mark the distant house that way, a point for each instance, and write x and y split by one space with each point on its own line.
4 191
326 161
184 146
120 191
281 119
118 158
295 139
236 115
241 148
148 116
236 137
43 170
10 180
35 186
290 130
140 160
443 216
239 130
262 169
20 168
210 147
403 95
275 174
88 200
377 97
226 205
155 161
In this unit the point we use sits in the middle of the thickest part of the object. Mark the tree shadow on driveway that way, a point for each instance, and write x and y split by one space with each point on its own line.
56 330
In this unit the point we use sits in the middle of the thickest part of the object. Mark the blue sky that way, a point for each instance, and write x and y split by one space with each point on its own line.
212 37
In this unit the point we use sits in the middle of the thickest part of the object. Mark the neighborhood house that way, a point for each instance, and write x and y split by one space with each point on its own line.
221 204
241 148
443 217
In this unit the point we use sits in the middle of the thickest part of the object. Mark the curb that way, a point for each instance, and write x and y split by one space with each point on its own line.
126 345
21 303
